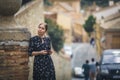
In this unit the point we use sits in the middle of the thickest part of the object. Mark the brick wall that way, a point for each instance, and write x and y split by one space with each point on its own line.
14 41
13 62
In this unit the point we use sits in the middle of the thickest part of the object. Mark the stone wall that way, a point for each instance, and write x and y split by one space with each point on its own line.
13 53
30 15
62 67
13 61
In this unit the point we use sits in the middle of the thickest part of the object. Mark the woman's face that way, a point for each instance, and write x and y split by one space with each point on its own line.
41 30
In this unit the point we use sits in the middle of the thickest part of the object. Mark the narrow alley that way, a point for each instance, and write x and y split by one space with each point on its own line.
81 52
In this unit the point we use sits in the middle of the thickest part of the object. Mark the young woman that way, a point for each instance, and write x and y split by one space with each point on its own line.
40 47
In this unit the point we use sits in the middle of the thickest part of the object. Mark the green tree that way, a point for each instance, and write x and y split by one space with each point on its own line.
101 3
47 3
89 24
56 35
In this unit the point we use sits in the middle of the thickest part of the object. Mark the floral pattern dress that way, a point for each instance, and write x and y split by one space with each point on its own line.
43 68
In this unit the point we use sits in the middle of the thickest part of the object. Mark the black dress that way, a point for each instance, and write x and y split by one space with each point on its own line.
43 65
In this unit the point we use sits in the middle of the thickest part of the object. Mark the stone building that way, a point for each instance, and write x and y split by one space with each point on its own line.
107 29
68 16
112 31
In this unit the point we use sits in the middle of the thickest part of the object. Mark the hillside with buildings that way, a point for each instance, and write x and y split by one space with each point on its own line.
67 15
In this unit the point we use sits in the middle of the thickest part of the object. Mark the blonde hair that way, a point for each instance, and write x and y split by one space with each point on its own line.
45 24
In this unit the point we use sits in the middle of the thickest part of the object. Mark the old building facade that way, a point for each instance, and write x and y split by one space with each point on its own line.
68 16
108 20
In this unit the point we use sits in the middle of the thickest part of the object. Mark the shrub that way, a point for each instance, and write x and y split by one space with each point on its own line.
56 35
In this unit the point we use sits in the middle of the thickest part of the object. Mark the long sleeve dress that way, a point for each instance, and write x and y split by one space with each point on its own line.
43 68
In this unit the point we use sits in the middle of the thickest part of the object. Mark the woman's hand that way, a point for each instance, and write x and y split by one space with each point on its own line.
43 52
50 51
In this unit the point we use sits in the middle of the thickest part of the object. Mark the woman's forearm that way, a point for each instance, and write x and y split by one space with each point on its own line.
43 52
34 53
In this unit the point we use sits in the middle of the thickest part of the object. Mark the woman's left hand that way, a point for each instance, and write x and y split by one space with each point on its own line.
50 51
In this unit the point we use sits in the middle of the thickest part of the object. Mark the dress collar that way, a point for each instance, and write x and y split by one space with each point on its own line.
43 37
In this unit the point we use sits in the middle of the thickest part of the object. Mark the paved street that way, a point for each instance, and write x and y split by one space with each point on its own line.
63 69
84 51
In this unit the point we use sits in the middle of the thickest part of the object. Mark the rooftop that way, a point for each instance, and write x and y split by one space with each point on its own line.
108 11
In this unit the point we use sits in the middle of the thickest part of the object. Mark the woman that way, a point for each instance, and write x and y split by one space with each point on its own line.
39 46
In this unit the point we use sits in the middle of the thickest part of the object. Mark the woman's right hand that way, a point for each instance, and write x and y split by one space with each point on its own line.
43 52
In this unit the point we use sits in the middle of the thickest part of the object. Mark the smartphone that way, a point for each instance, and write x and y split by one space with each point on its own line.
48 51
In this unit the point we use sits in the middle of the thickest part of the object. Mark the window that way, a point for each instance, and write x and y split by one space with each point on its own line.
116 42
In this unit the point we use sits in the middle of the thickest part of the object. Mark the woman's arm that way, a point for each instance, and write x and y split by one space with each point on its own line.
31 50
49 45
43 52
